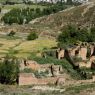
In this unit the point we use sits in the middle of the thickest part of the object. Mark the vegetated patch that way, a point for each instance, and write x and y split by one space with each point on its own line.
35 45
80 88
20 48
65 64
24 16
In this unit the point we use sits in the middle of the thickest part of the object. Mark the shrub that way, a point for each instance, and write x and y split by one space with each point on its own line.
51 53
71 34
32 36
9 70
12 33
68 68
77 59
68 35
27 70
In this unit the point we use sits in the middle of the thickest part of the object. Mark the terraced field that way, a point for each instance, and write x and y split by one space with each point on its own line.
21 48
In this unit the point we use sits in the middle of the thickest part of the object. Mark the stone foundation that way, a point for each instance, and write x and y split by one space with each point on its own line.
28 79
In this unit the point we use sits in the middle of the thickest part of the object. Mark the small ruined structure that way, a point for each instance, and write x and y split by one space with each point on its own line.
86 64
60 53
56 69
73 51
91 49
52 73
85 51
52 69
26 79
29 79
29 64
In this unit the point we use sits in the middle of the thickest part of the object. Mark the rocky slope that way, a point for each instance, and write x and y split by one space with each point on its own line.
78 15
83 16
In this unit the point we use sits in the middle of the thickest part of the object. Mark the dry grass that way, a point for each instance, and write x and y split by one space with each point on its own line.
75 15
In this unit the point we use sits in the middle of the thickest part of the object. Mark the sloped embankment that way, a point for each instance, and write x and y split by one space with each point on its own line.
83 15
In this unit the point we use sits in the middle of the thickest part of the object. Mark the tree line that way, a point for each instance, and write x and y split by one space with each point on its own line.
25 15
21 16
72 34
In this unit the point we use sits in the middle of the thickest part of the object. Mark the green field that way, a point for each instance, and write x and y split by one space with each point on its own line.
21 48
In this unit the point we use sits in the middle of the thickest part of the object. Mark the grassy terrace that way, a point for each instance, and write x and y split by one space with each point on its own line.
23 48
82 88
85 89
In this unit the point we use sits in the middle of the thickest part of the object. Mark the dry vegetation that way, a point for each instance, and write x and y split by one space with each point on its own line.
83 15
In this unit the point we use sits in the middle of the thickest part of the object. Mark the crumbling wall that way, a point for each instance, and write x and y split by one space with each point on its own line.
60 53
83 53
29 79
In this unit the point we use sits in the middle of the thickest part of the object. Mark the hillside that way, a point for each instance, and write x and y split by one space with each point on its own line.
83 16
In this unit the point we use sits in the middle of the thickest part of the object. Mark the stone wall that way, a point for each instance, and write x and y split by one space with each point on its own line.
53 70
92 58
83 53
29 64
72 51
29 79
92 50
60 53
26 79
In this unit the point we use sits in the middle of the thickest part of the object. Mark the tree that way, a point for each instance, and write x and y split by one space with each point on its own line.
72 34
32 36
68 35
82 35
9 70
